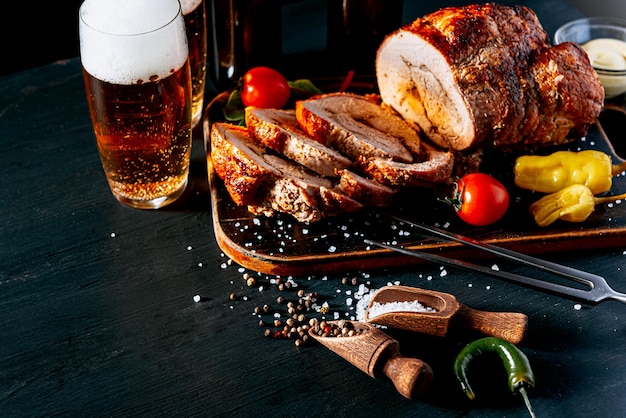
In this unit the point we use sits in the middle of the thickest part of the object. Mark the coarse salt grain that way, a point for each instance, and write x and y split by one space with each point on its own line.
197 298
578 306
112 234
378 308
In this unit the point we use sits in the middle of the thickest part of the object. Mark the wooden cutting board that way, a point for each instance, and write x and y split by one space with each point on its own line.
282 246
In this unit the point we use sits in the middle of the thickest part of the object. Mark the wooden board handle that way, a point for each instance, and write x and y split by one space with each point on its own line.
410 376
510 326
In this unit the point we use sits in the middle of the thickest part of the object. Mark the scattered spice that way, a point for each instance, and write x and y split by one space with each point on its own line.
341 328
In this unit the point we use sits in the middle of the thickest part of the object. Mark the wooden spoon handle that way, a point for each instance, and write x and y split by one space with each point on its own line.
410 376
510 326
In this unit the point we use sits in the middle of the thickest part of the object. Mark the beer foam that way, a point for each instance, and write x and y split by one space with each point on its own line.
123 41
189 5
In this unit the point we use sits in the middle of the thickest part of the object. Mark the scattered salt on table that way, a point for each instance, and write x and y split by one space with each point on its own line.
378 308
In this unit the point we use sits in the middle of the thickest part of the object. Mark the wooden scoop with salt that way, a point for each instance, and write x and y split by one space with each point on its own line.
435 313
378 355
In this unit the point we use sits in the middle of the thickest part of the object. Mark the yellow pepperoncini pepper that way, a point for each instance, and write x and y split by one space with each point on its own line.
551 173
574 203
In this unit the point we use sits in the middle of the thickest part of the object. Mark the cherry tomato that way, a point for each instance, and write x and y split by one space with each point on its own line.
265 87
480 199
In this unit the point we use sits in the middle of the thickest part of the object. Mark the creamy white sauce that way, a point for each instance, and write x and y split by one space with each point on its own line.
608 54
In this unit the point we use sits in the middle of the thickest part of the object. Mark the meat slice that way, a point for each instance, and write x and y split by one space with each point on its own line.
363 190
268 183
239 162
357 127
278 129
437 168
474 76
302 194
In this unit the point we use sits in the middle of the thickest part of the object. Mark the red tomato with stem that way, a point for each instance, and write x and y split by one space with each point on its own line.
480 199
265 87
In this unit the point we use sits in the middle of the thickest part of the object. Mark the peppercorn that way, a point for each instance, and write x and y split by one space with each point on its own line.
551 173
324 309
516 363
574 203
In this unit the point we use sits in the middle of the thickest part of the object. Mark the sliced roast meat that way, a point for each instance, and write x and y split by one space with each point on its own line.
279 130
364 190
437 168
357 127
239 162
486 75
268 183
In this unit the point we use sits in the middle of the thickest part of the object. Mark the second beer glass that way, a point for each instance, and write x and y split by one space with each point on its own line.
137 78
194 12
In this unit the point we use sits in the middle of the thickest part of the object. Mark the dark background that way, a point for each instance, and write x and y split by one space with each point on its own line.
48 31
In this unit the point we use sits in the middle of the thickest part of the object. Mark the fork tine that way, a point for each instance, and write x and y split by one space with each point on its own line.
583 295
599 288
580 276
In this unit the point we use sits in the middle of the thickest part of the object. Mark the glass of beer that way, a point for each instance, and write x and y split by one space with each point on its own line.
194 12
135 61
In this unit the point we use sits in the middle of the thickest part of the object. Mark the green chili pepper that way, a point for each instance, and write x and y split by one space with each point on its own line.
515 362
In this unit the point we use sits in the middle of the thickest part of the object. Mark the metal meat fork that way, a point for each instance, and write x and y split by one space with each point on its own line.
599 290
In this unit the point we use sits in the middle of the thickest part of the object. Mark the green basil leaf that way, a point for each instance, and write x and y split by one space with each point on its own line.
303 88
234 110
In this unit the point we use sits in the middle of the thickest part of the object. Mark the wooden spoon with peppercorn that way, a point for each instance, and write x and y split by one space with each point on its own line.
435 313
375 353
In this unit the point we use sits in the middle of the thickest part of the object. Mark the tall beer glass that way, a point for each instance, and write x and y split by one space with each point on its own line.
194 12
136 70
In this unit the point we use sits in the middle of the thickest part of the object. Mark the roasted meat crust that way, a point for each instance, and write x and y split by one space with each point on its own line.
279 130
486 75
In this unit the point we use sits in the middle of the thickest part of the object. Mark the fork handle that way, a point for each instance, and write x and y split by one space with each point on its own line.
510 326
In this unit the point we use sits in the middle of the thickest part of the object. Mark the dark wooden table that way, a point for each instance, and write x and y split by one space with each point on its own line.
98 318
